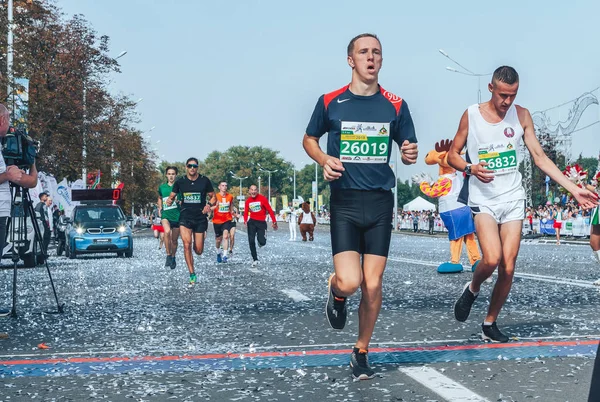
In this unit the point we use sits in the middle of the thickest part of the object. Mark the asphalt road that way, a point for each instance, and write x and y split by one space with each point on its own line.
135 330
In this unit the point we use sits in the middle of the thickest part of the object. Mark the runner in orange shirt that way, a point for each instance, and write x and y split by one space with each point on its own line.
222 221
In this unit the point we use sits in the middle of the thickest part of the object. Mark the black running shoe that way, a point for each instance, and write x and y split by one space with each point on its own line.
335 310
359 362
462 307
168 262
173 262
492 333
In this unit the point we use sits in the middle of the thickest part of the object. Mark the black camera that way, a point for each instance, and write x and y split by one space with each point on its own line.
19 149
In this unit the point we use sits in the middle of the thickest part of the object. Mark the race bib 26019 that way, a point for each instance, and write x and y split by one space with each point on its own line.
364 142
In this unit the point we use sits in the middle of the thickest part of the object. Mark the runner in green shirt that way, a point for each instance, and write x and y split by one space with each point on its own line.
169 216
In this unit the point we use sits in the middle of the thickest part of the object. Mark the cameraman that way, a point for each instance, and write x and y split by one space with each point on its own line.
10 174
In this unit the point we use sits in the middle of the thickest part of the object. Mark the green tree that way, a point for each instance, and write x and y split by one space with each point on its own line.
589 164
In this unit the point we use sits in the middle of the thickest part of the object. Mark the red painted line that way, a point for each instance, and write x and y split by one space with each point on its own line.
217 356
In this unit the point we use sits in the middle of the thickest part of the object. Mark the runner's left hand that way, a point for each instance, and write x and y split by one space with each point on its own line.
206 209
275 227
585 198
410 152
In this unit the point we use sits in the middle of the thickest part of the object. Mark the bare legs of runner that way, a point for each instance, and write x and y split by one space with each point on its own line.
350 274
500 247
188 237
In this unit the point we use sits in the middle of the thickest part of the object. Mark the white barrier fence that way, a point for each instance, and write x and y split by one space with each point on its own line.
576 227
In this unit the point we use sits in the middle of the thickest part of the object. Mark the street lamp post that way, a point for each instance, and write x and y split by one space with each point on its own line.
9 60
269 172
240 179
316 187
466 72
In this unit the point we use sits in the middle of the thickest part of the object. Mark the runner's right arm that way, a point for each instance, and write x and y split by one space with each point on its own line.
159 203
318 125
246 207
455 159
174 193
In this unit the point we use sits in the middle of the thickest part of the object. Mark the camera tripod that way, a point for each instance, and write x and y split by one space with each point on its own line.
21 210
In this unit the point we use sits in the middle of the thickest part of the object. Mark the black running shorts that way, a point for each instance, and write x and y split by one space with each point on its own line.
221 227
172 224
361 221
198 224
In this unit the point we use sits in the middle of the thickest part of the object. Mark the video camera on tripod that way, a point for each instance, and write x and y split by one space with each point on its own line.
18 148
24 236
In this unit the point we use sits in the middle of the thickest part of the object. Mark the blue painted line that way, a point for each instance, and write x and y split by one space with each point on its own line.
282 360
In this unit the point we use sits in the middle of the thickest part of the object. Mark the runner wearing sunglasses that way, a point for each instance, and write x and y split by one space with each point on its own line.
193 221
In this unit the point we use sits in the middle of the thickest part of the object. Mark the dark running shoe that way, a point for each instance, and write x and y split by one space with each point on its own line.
173 262
359 362
491 333
462 307
335 310
168 262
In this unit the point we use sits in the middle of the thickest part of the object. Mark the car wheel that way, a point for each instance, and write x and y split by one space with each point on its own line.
29 260
129 253
60 248
72 253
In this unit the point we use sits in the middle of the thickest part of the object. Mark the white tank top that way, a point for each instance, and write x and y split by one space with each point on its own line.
306 218
498 144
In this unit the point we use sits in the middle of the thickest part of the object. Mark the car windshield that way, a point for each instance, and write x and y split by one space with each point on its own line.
94 214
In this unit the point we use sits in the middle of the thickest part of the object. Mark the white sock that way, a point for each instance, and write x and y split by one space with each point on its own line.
225 252
487 324
597 255
219 251
471 290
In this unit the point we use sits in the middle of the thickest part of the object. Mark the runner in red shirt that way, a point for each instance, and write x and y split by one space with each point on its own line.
255 215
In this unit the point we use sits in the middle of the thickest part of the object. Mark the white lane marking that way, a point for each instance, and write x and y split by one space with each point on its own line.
554 279
160 352
295 295
445 387
523 275
256 271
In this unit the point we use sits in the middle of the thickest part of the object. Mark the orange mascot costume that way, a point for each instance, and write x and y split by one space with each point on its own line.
456 216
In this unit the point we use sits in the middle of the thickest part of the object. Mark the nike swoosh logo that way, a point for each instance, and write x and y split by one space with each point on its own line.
342 100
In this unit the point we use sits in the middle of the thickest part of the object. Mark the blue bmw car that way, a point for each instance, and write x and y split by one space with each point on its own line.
98 228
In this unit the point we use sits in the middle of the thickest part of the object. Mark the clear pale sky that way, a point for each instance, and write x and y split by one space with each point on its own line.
222 73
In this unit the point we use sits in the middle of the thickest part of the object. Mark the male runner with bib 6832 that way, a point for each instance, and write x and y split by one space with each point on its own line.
492 133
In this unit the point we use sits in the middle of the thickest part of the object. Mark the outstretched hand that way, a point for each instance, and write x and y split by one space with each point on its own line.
420 178
585 198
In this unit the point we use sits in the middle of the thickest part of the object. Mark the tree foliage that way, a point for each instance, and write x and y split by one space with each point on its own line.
69 107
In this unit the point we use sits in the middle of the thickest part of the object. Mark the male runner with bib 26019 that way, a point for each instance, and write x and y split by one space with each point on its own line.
362 119
492 132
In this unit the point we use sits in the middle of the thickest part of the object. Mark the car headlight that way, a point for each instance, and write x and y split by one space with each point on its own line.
121 229
79 230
